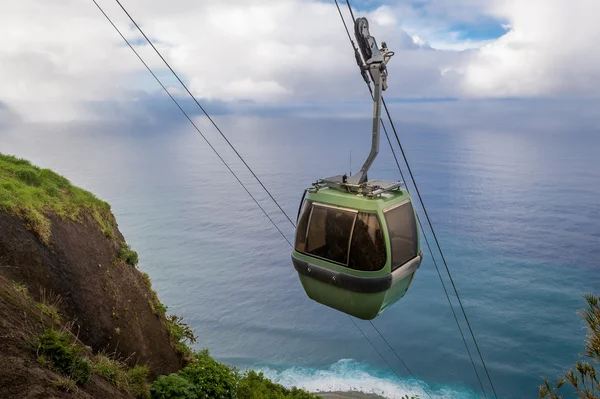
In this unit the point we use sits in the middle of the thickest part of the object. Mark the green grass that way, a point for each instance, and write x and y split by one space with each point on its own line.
131 380
22 289
59 348
32 193
128 255
114 371
65 384
49 310
49 305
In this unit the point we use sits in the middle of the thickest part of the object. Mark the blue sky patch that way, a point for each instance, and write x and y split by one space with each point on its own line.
483 30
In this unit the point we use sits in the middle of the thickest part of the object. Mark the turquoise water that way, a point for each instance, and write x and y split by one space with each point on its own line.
516 211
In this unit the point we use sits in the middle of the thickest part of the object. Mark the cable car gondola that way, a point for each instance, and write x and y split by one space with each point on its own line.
357 241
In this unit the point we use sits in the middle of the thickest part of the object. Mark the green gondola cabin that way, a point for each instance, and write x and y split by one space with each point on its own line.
357 241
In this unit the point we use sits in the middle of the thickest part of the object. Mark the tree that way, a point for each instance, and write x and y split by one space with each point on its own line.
582 377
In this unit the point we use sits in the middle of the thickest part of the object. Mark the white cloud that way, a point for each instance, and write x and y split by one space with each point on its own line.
551 50
56 57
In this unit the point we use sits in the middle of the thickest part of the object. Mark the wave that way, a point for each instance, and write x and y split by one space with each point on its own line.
348 375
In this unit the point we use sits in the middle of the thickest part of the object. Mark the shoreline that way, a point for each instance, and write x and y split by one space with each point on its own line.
347 395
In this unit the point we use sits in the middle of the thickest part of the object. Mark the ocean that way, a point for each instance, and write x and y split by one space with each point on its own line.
513 198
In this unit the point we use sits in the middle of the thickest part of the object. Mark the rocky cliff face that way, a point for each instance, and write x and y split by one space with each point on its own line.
109 301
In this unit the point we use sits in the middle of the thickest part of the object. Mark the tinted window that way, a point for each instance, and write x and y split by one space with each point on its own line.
403 234
367 251
329 233
302 224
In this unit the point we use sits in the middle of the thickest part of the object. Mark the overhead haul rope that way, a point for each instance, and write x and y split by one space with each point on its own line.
205 113
358 59
229 168
191 121
357 55
430 226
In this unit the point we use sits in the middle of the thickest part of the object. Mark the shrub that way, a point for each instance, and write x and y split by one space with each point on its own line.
180 333
138 381
128 255
253 385
173 386
211 378
80 370
59 348
204 377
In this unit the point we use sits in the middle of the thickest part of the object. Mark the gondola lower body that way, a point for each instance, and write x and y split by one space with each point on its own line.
362 297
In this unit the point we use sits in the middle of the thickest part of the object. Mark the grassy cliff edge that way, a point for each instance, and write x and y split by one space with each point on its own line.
61 247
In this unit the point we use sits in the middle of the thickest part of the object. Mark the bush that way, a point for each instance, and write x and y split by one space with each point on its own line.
59 348
253 385
207 378
180 333
80 370
211 378
128 255
173 386
138 381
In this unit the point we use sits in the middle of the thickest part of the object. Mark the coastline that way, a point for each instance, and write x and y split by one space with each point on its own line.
348 395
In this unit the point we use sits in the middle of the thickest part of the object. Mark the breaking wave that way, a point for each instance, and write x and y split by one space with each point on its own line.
348 375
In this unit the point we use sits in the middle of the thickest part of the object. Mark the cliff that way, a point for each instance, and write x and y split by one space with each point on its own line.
77 317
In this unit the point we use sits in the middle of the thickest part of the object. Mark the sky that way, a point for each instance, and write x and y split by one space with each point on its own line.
62 61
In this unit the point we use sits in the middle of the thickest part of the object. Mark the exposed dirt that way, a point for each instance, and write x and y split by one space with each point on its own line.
21 376
106 299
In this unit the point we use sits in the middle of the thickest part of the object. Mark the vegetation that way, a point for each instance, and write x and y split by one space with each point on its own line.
173 386
128 255
181 334
64 354
130 380
65 384
32 194
211 379
57 349
204 377
114 371
138 381
253 385
22 289
35 195
49 305
582 378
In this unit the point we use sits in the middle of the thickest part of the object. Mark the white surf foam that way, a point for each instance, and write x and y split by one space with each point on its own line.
348 375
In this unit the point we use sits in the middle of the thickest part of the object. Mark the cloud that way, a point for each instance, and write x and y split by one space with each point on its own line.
62 56
61 59
550 50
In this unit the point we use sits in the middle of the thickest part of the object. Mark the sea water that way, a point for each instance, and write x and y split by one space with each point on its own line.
514 206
